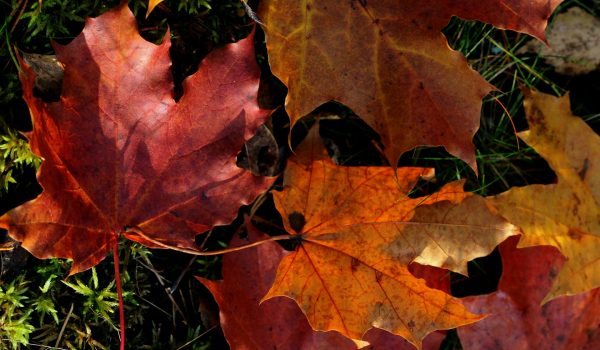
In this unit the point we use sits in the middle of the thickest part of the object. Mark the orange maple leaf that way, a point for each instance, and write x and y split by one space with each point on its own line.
151 5
279 323
359 231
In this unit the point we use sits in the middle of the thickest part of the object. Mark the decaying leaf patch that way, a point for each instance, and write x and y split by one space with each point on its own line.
574 43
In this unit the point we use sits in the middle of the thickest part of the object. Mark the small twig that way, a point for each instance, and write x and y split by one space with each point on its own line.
175 306
259 201
251 12
62 329
191 262
139 232
189 265
185 307
16 8
206 237
178 280
152 304
262 221
119 294
7 247
198 337
148 265
19 16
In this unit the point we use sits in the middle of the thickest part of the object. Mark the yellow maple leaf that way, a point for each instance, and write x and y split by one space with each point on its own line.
151 5
565 215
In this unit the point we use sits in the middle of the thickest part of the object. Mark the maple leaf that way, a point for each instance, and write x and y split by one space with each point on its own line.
567 214
274 324
279 323
526 16
151 5
389 62
119 151
517 321
359 231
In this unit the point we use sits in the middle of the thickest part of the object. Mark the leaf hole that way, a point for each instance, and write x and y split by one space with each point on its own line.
297 221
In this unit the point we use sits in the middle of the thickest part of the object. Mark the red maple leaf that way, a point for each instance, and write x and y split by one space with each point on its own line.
120 152
518 321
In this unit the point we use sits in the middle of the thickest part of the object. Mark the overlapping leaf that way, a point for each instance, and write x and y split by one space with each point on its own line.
118 151
565 215
359 230
517 321
279 323
274 324
151 5
389 62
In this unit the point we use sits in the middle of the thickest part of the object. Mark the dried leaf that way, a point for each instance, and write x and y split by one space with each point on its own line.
48 76
574 43
262 155
565 215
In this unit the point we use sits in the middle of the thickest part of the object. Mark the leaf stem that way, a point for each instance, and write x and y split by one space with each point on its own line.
119 294
141 233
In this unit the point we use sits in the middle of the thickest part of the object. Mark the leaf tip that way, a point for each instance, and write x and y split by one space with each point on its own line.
360 344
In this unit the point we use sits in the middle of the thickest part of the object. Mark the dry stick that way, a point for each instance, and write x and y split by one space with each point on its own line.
20 14
262 221
62 329
160 279
7 247
152 304
139 232
173 287
119 293
251 13
198 337
189 265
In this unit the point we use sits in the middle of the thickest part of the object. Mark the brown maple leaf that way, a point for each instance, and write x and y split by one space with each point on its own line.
567 214
359 231
119 151
517 321
389 62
